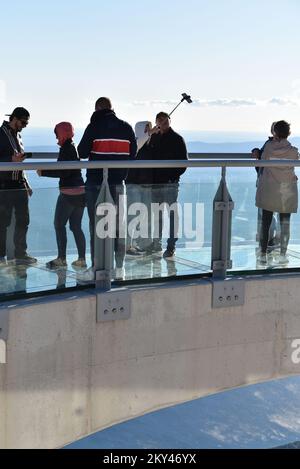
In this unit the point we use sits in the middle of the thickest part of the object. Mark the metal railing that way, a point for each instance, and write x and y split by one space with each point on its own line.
222 207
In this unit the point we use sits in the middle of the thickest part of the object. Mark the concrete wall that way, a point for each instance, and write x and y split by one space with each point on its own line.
67 376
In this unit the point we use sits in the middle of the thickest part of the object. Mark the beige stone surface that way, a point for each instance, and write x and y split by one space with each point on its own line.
67 376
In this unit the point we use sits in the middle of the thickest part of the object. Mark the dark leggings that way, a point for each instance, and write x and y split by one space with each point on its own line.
69 208
285 231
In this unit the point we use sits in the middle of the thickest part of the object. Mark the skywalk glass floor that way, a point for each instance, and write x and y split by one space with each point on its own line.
188 261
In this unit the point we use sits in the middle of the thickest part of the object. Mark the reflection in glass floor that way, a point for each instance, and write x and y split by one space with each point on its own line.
188 261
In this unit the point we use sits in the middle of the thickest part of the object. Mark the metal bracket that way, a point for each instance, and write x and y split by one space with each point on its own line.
114 305
227 293
3 334
217 265
103 281
224 205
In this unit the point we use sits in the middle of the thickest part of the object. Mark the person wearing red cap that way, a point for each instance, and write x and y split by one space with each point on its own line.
14 188
71 200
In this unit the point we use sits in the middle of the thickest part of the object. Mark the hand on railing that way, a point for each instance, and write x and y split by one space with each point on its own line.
18 157
255 153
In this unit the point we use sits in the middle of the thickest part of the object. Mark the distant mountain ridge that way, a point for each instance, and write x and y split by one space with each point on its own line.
193 147
43 140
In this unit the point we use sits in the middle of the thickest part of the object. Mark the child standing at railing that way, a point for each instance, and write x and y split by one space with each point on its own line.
71 200
277 190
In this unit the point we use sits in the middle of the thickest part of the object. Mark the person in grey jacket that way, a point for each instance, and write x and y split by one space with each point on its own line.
277 190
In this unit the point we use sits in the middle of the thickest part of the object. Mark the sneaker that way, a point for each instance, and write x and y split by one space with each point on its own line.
154 248
87 275
134 251
80 263
26 259
118 273
57 263
283 259
262 259
169 253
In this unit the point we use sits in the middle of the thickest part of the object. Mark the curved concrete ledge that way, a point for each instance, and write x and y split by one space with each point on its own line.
67 376
264 415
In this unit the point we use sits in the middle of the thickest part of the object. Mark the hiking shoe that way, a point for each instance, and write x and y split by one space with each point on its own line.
57 263
26 259
80 263
169 253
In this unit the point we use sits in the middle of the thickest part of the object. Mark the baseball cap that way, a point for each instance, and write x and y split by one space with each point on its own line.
19 113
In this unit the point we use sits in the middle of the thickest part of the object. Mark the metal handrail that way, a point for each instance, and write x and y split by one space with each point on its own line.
246 161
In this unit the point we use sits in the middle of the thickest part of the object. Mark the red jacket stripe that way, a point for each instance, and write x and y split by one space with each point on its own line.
116 146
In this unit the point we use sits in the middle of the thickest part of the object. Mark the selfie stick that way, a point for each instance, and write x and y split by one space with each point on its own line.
185 97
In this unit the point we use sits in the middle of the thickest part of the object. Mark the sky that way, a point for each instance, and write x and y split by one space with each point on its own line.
238 60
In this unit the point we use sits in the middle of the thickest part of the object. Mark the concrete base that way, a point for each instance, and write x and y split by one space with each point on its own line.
67 376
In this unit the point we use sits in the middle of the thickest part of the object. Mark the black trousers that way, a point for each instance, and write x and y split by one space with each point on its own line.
69 208
166 194
17 200
284 231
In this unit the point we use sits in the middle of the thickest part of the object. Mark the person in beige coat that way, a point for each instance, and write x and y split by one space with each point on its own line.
277 190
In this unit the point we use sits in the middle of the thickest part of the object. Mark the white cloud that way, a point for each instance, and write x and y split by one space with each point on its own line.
224 102
283 102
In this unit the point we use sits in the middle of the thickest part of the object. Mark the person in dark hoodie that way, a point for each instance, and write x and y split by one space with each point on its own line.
71 200
106 138
14 188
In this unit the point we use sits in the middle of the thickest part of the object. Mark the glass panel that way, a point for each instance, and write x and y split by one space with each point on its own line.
140 256
247 223
193 199
20 273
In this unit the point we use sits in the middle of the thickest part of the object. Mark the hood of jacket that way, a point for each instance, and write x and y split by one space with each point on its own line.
99 115
279 149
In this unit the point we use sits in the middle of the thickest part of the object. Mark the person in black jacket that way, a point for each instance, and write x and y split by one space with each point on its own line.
163 144
108 138
14 188
71 200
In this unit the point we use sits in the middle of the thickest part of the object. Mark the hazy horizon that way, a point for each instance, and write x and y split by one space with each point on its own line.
42 139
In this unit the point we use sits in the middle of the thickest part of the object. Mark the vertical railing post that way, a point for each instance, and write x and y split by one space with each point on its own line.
103 246
221 230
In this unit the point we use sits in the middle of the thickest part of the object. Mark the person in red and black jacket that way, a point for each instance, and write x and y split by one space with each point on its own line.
71 200
106 138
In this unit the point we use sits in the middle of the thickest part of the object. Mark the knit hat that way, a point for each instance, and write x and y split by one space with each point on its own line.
64 131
